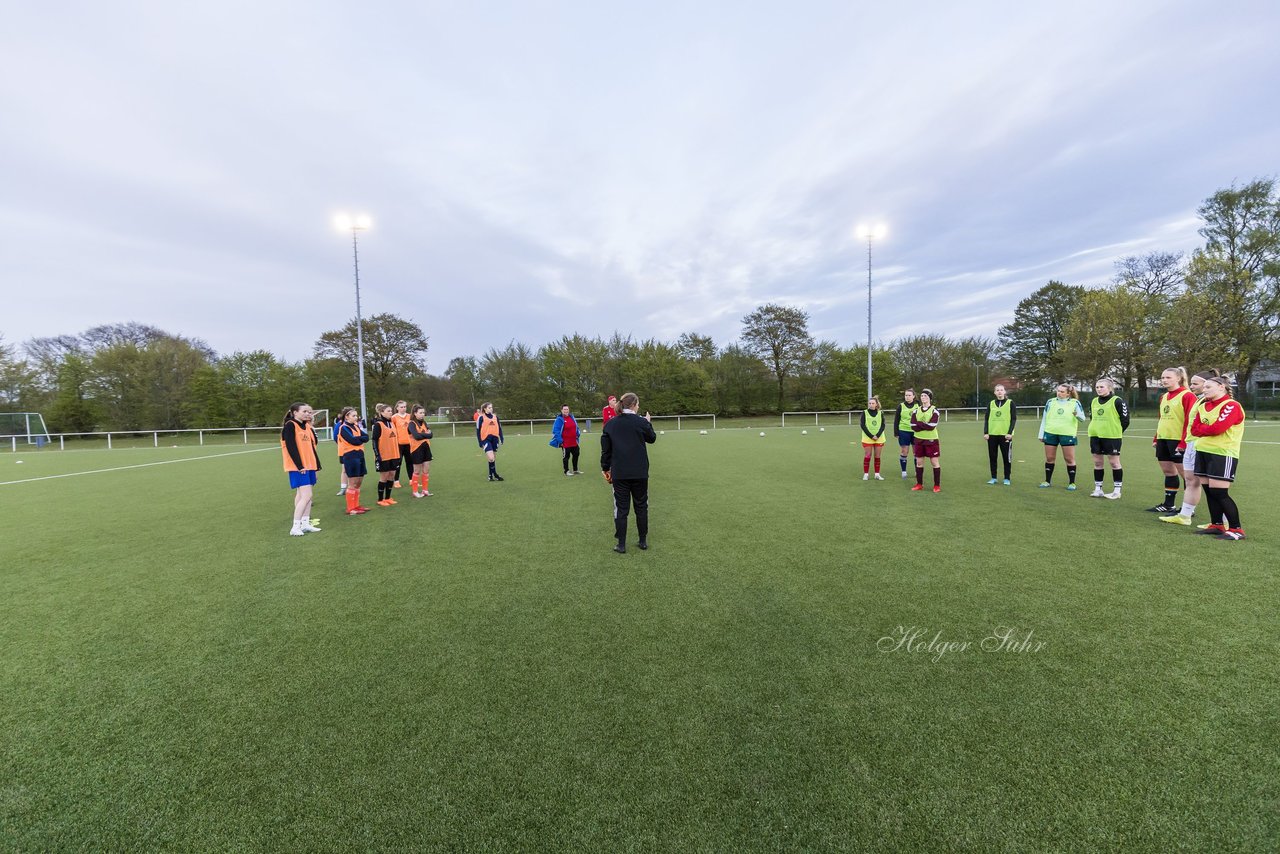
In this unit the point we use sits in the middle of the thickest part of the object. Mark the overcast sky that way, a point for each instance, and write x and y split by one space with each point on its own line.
535 169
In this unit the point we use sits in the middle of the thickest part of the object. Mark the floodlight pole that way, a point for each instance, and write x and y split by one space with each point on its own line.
870 233
355 256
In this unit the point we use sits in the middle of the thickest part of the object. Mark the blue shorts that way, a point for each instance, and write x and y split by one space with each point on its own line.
1059 439
353 464
489 445
301 478
906 438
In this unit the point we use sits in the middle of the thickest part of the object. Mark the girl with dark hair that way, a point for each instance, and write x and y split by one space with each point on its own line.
924 427
298 447
386 453
489 435
997 428
419 450
351 440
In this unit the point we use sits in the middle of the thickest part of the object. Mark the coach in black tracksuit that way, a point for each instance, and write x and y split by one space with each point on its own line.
624 459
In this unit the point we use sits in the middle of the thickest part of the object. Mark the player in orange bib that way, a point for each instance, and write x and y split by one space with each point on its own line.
386 453
401 421
419 450
351 441
298 446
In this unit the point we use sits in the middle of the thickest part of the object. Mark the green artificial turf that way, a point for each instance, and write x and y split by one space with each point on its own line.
478 670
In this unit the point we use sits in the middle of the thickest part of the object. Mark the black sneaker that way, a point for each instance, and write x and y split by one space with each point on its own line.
620 548
496 477
643 544
1162 508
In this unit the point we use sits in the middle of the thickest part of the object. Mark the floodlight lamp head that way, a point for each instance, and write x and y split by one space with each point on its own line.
877 231
346 222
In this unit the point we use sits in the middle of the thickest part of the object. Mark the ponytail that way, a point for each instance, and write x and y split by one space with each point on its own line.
1182 375
293 407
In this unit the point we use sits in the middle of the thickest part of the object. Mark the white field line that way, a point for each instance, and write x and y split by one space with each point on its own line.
138 466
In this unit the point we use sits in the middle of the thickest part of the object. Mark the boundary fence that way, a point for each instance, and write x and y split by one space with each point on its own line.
113 439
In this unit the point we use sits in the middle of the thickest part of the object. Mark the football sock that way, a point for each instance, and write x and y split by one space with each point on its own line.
877 465
1117 479
937 476
902 461
1227 511
1170 489
493 469
1188 510
423 480
1071 474
866 464
920 475
1048 472
1097 478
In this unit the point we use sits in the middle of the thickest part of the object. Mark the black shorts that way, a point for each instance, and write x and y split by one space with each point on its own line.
1105 447
420 456
1167 450
388 465
1216 466
353 464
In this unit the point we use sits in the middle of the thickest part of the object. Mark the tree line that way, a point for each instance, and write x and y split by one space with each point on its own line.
1220 306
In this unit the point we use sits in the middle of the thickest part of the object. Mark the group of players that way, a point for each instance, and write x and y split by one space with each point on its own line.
1197 445
1197 442
401 441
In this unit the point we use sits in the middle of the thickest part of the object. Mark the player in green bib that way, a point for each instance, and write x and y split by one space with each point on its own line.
900 421
1058 429
924 426
1110 418
872 426
997 429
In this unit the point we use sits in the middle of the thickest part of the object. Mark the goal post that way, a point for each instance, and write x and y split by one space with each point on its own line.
323 427
28 427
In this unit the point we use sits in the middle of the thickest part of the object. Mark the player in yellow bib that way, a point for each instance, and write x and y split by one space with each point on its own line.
1194 486
871 423
1109 418
997 428
1219 430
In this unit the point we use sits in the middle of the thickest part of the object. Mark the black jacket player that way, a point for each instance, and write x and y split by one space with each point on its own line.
624 460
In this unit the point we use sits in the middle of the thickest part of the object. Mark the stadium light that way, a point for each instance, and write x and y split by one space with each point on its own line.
356 224
870 232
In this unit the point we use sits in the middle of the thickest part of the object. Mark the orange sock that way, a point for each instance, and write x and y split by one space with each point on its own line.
424 482
417 482
351 500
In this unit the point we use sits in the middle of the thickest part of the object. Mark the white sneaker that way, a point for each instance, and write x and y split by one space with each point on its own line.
904 475
427 494
865 476
1113 495
296 531
308 528
342 490
878 477
568 474
1097 492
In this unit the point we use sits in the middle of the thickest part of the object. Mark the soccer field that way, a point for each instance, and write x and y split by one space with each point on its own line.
479 670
